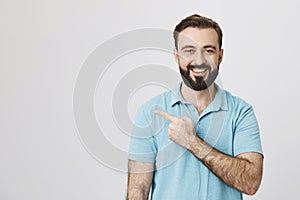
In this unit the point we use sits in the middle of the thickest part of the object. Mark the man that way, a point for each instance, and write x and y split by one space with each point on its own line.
196 141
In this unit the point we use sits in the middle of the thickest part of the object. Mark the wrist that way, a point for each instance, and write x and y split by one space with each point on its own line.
195 144
199 148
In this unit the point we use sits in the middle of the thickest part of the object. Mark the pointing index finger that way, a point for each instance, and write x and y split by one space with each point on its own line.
166 115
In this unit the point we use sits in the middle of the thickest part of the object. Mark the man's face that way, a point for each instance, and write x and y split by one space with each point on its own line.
198 57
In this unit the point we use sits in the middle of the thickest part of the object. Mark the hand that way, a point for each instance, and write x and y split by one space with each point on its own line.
181 131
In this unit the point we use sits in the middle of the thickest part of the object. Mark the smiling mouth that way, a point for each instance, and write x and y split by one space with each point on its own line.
199 72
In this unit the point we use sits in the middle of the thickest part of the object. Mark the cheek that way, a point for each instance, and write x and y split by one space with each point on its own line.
214 62
183 59
183 64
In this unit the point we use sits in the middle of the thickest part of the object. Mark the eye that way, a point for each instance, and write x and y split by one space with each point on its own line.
189 51
210 51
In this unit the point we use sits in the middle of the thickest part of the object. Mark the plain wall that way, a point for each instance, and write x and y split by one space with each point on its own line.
45 43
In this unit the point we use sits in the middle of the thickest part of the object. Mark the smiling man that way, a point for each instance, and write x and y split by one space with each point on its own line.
196 141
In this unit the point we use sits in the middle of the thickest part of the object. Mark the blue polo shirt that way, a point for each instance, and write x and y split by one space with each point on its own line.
228 124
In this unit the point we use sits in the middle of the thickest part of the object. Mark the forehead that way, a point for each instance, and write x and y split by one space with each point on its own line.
198 37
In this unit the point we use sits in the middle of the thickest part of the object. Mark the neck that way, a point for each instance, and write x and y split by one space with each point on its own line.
200 99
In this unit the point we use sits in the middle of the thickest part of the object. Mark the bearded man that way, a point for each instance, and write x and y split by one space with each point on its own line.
196 141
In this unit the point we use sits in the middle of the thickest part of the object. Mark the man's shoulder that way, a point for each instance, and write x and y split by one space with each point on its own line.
158 102
163 99
238 109
236 102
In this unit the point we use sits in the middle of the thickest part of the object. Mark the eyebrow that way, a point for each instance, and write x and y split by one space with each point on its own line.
205 47
188 46
210 46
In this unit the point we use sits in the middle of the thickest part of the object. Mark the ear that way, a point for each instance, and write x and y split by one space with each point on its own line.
221 52
176 56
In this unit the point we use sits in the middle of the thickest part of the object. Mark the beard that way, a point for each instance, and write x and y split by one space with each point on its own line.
199 83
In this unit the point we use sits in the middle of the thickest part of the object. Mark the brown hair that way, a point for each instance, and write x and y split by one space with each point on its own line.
197 21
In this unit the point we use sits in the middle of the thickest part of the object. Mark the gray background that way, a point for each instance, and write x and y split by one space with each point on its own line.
44 44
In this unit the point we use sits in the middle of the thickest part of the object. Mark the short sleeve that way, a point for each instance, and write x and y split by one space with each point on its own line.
142 146
247 134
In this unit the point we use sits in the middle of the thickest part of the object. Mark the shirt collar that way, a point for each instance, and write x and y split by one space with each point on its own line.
176 96
219 102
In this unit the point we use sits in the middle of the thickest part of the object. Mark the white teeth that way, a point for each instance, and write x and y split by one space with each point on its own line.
198 70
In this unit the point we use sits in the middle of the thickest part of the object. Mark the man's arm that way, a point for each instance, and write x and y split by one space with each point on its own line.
140 177
243 172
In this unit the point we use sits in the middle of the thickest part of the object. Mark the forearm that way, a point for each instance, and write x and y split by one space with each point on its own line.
239 173
136 194
139 180
138 189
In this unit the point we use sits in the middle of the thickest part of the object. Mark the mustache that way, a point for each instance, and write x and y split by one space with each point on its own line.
202 66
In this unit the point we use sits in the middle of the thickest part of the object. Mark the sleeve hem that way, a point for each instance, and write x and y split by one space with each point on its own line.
248 151
141 158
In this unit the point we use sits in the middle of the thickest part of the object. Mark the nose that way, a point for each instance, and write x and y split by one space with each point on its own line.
200 58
